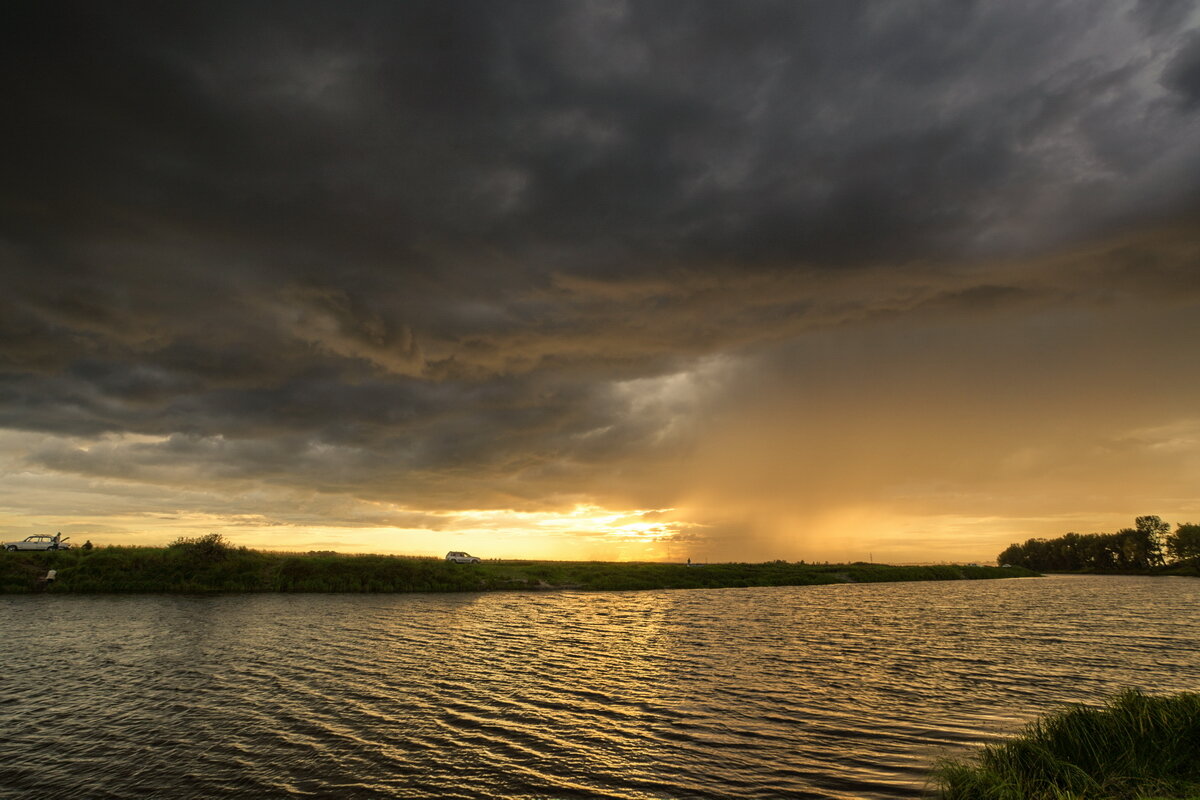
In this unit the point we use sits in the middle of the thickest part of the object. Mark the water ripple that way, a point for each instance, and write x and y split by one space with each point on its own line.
831 692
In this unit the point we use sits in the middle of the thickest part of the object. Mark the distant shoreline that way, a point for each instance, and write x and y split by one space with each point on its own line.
190 570
1169 571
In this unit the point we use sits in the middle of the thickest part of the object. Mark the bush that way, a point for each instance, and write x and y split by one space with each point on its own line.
212 546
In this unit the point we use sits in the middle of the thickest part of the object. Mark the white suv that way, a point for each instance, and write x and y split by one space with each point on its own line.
39 541
459 557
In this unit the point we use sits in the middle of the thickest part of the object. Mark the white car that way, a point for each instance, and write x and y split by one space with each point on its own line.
39 541
459 557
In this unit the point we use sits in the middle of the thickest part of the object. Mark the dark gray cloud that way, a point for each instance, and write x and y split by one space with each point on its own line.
1183 73
393 248
623 134
1163 15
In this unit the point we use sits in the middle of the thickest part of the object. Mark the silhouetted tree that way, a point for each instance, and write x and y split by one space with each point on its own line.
1139 547
1013 555
1184 544
1154 532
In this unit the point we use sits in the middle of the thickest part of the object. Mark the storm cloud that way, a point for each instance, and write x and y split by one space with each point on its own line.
393 261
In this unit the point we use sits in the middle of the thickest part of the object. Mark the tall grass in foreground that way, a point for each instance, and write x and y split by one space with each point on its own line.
1136 747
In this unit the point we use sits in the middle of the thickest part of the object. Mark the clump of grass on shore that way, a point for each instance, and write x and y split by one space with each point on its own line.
1136 748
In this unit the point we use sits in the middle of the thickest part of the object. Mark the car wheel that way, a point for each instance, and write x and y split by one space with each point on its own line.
12 548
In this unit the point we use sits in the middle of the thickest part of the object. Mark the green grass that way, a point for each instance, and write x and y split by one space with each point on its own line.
199 566
1137 747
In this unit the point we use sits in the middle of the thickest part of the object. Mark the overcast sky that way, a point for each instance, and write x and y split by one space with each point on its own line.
736 281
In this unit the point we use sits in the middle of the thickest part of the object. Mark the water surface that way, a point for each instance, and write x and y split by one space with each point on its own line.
845 691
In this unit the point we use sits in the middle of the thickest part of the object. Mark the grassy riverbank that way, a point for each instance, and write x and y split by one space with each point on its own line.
195 568
1136 748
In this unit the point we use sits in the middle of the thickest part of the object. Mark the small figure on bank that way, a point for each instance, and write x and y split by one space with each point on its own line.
87 545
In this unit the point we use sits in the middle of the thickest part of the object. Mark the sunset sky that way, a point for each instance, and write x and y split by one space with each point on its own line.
646 280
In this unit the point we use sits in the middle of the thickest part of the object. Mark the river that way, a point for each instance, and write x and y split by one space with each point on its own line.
844 691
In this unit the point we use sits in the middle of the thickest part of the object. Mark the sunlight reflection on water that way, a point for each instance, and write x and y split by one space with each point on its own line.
847 691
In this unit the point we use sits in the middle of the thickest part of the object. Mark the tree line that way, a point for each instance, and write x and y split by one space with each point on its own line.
1148 544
